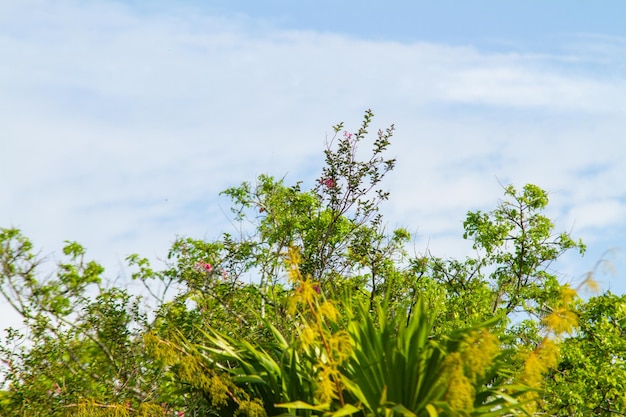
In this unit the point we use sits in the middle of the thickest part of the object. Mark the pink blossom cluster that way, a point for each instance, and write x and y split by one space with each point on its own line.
56 390
208 268
204 266
327 182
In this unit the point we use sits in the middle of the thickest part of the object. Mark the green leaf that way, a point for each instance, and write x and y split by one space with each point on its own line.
346 410
301 405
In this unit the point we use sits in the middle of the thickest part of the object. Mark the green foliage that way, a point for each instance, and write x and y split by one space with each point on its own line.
315 308
377 365
591 375
511 276
337 218
518 241
397 367
79 341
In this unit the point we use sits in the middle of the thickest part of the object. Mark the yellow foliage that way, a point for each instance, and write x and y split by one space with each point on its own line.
561 320
252 408
330 348
534 369
163 352
218 391
539 361
591 284
328 311
536 364
305 294
150 410
93 409
549 353
191 368
325 391
460 393
479 350
293 261
340 345
308 336
567 295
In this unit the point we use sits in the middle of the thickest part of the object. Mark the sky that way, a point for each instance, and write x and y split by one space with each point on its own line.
121 121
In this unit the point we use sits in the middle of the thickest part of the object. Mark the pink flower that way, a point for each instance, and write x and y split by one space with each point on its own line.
205 266
347 135
328 182
56 389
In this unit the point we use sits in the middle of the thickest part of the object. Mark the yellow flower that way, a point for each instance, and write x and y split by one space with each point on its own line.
533 371
479 351
591 283
325 390
568 294
328 310
561 320
308 336
293 261
341 345
549 353
539 361
460 393
305 293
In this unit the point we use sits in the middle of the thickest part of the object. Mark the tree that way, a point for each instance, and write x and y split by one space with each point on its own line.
368 364
329 320
82 348
345 249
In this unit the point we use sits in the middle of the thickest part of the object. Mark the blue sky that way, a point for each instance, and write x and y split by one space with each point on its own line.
486 23
122 121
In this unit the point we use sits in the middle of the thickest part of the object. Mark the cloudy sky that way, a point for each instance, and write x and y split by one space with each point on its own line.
121 121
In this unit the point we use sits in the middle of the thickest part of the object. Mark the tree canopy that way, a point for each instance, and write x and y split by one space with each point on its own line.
339 319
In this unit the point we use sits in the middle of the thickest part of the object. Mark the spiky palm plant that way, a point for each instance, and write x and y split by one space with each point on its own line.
396 368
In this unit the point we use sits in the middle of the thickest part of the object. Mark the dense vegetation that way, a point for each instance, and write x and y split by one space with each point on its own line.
339 320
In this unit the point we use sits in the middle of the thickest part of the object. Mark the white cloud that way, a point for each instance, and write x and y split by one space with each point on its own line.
120 128
599 214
